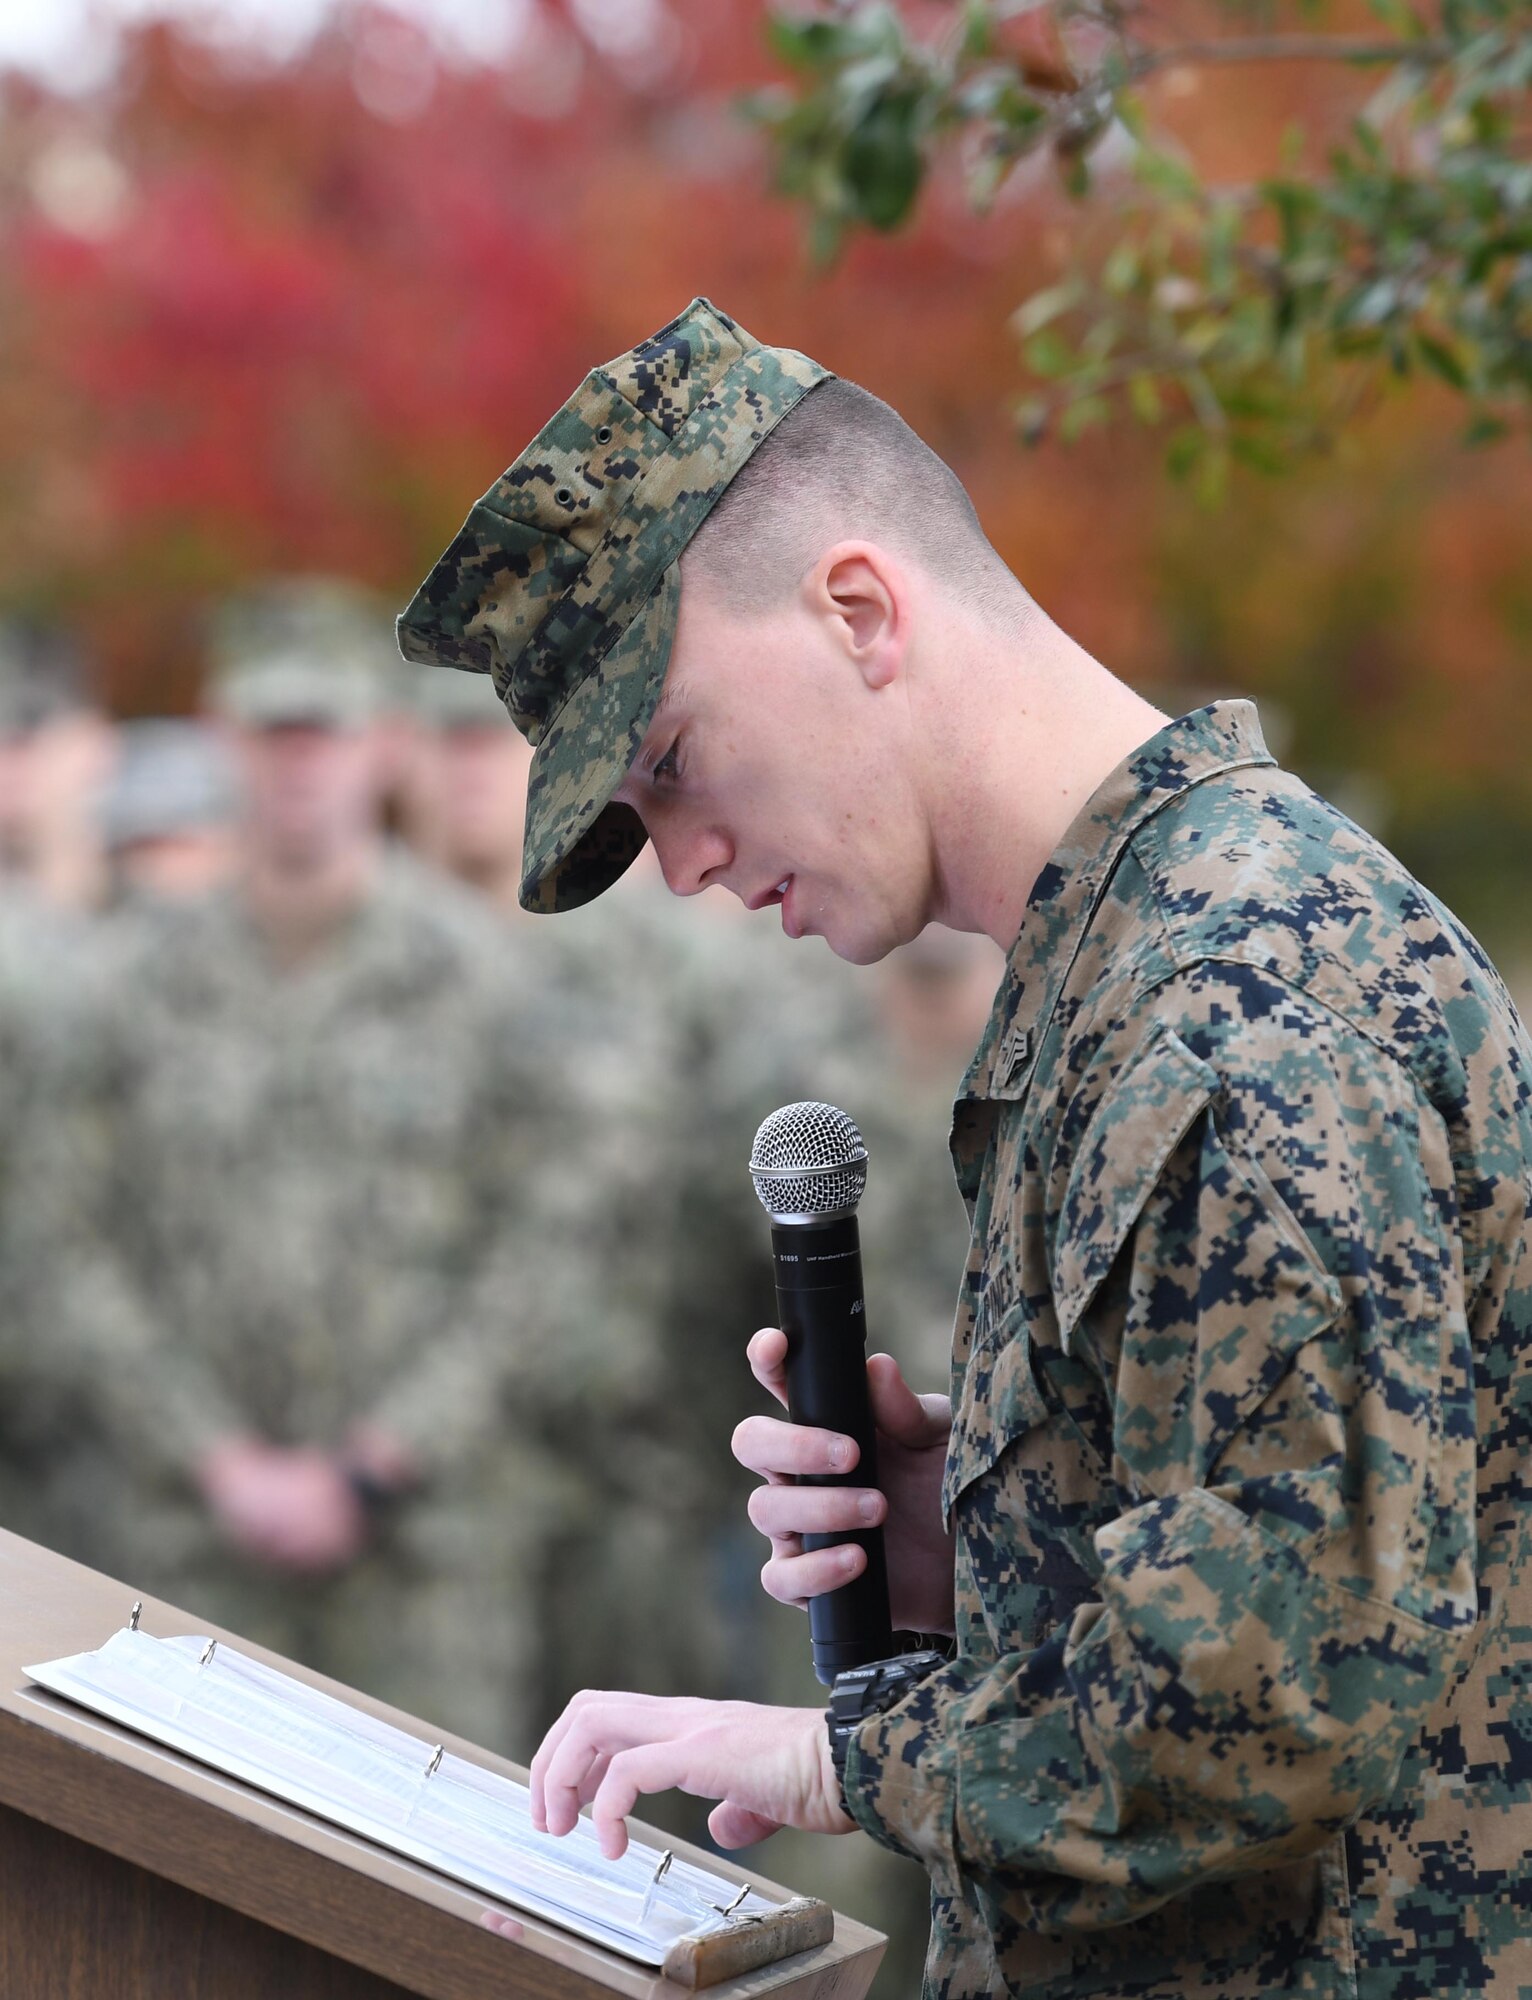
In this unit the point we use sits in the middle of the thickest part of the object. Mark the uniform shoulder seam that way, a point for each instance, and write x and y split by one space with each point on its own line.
1190 963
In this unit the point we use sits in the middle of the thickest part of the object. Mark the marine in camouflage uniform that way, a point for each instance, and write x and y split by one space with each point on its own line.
1243 1364
1242 1387
339 1197
352 1193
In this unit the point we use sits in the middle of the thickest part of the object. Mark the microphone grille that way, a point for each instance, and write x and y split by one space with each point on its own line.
808 1159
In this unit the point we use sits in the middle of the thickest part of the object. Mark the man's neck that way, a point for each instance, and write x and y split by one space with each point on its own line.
298 907
1034 729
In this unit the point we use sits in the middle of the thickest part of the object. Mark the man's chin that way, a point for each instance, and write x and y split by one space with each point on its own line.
864 947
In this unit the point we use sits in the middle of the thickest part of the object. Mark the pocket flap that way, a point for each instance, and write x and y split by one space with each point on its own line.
1000 1399
1144 1114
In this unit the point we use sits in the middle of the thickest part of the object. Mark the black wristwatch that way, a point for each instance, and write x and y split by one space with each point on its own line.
863 1691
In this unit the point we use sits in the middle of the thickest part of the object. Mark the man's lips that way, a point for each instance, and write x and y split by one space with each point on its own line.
775 894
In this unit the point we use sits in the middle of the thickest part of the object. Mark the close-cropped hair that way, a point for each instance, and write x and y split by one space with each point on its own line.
840 465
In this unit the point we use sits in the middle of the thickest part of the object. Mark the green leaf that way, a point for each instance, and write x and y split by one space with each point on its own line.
1290 150
1085 415
826 235
1074 174
1394 14
1144 397
805 44
1260 454
1485 429
1121 271
1166 176
1047 355
881 162
1046 306
1441 360
1210 477
978 30
1185 448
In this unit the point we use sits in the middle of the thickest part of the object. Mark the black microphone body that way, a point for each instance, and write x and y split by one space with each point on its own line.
818 1267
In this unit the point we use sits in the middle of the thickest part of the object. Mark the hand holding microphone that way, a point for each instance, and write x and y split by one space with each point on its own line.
911 1436
827 1529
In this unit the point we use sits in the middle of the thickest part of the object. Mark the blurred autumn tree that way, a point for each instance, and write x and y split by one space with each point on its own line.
261 315
1389 231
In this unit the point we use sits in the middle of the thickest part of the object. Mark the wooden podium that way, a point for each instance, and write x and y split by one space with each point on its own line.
129 1872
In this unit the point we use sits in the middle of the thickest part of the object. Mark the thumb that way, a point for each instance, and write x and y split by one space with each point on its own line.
897 1411
736 1826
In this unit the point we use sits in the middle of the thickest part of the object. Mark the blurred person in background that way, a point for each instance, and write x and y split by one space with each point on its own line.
56 749
466 785
167 814
333 1294
53 751
46 1452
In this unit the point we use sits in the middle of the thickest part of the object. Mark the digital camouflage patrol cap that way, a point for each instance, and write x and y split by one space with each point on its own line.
564 582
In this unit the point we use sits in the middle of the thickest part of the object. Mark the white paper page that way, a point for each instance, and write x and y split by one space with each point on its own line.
356 1771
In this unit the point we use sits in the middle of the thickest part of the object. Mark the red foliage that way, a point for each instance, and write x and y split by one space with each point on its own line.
325 303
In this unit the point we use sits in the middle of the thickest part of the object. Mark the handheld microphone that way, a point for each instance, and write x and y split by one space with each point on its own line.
809 1167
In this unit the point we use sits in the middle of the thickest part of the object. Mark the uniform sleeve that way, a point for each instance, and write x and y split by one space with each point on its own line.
1255 1273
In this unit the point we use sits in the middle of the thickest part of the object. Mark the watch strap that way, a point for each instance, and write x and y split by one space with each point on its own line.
861 1692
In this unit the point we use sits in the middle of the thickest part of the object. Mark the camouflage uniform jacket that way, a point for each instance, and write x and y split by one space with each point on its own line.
1242 1700
350 1191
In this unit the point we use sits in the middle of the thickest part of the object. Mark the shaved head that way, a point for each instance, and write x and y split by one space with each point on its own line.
841 464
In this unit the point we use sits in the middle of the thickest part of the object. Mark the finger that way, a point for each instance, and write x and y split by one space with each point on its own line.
634 1774
795 1579
781 1511
601 1727
502 1925
564 1783
898 1412
767 1445
767 1354
737 1826
546 1751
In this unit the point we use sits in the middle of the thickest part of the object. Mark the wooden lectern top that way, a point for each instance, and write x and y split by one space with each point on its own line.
224 1841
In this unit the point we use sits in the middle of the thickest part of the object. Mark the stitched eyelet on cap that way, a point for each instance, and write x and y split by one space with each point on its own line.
564 497
604 435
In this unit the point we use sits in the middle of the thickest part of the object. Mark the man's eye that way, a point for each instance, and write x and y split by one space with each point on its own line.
668 768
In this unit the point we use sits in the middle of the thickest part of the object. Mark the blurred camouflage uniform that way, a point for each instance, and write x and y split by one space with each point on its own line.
346 1194
349 1191
1243 1389
47 1455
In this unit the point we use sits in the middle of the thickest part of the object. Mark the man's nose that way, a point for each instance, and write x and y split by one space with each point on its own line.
690 858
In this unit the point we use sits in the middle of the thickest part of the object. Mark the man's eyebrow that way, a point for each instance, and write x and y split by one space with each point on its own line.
670 695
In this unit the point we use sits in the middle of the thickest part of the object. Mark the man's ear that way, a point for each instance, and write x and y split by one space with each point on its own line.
861 593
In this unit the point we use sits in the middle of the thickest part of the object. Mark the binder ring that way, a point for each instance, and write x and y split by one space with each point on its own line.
207 1653
135 1614
436 1760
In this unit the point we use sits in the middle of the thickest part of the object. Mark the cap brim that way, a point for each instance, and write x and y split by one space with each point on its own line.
577 842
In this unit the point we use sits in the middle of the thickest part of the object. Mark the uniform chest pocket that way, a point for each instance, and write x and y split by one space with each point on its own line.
1179 1275
1000 1400
1020 1492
